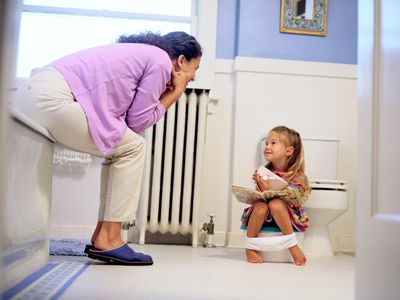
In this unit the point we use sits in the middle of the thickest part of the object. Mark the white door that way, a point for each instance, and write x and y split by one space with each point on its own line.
378 192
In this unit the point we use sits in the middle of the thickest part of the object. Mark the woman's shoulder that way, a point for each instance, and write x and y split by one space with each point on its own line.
153 55
145 49
126 50
141 55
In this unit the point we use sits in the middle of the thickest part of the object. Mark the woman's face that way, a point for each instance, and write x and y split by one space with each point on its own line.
187 67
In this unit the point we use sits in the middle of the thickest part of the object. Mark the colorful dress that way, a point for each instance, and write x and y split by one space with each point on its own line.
296 195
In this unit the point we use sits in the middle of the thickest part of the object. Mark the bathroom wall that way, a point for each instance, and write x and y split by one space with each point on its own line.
276 78
251 28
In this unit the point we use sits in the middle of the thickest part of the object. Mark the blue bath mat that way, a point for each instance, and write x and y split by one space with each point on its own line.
71 247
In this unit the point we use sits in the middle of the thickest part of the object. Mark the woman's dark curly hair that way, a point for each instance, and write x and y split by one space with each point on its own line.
174 43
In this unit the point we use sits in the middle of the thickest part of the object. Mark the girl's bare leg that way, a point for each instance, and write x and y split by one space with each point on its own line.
256 220
281 216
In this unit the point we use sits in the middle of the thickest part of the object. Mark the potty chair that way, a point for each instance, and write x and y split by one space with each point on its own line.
271 244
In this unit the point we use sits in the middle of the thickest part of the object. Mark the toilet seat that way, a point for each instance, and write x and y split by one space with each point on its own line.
328 185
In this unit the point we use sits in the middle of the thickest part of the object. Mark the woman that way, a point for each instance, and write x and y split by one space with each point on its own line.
99 101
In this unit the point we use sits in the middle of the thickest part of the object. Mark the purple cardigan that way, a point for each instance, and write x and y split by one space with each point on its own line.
118 86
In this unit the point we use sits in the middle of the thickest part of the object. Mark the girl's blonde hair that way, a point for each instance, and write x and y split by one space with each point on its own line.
296 162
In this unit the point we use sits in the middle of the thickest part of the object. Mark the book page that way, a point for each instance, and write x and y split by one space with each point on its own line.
249 196
246 195
276 183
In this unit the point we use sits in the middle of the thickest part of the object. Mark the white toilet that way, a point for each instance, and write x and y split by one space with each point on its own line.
328 199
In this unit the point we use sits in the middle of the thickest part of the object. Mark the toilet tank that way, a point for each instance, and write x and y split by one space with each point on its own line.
321 158
320 155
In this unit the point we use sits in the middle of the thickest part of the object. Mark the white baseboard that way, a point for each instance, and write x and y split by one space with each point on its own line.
345 243
235 239
219 238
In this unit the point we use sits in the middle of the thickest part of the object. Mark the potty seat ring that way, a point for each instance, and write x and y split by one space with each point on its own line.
272 243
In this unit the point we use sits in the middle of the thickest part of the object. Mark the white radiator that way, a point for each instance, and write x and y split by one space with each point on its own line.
171 184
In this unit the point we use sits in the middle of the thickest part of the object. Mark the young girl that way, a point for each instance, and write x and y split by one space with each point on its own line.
284 153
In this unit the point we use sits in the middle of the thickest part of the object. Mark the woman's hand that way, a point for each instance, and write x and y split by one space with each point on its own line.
174 89
179 82
262 184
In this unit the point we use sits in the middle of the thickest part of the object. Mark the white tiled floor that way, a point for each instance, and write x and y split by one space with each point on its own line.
183 272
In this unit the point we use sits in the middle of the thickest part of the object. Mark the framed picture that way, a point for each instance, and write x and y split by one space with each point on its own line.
304 16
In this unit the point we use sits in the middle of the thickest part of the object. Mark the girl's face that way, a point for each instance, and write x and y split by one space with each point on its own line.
276 151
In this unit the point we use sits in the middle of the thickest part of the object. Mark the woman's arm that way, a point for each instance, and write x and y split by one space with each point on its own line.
146 108
158 89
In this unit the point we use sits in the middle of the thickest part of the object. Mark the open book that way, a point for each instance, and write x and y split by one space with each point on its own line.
249 196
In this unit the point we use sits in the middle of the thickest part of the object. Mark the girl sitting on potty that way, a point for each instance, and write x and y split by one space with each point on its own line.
284 153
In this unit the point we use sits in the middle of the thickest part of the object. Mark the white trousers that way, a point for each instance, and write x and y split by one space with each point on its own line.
47 99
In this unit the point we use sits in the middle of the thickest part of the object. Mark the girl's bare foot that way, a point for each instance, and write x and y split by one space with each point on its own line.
253 256
298 256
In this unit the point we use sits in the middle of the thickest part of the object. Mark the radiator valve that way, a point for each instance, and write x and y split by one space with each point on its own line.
209 229
127 225
125 228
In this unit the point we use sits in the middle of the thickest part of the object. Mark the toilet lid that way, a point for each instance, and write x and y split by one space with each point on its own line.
328 184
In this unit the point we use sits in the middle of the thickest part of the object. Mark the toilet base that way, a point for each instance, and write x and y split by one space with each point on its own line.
317 242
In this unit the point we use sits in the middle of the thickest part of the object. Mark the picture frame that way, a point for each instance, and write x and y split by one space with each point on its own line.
304 17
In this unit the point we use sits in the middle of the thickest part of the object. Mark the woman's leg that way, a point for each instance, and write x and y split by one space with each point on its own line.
279 212
105 168
121 180
257 218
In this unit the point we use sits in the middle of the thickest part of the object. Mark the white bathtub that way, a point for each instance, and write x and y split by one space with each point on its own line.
25 211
